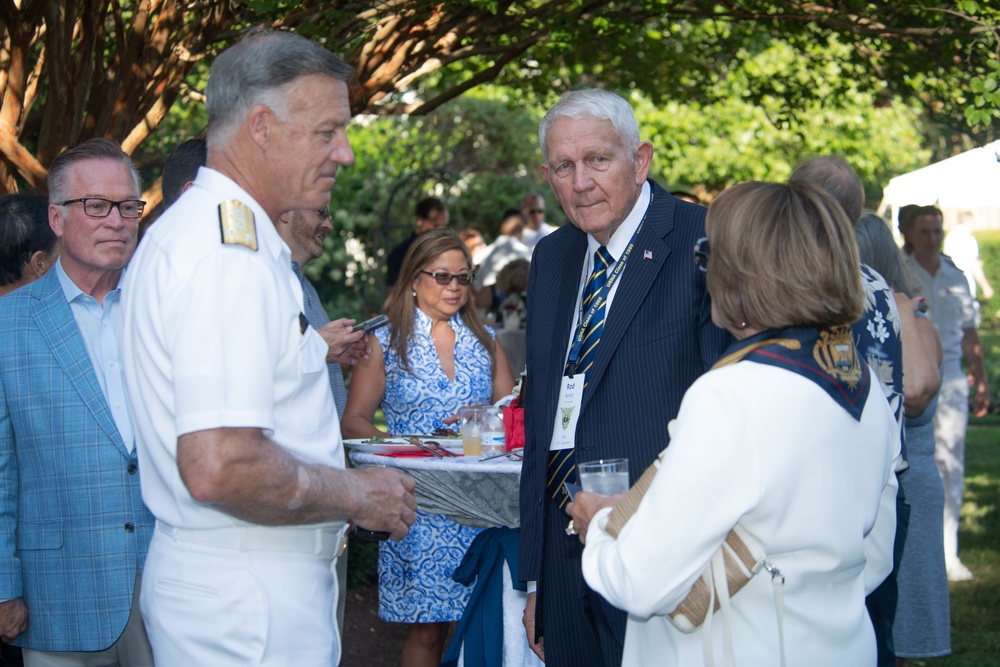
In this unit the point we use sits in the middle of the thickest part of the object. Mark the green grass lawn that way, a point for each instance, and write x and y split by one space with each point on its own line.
975 605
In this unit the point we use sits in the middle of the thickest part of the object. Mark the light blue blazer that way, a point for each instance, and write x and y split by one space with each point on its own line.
73 528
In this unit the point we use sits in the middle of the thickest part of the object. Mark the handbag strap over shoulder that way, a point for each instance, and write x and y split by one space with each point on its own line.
716 594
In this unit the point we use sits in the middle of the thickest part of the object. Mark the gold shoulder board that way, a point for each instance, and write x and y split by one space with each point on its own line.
238 226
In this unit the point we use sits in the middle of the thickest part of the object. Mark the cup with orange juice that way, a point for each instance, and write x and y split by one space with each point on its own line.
471 422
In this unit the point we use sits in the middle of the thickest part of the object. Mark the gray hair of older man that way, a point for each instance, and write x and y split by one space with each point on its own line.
594 103
92 149
834 175
877 248
258 70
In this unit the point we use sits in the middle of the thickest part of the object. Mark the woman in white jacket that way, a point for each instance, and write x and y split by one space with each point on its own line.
782 437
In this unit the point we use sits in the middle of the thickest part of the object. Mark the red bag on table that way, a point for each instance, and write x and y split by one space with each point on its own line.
513 424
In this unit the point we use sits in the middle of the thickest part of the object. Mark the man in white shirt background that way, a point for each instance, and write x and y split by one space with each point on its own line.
535 228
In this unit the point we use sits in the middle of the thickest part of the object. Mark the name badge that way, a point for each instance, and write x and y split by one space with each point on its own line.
567 413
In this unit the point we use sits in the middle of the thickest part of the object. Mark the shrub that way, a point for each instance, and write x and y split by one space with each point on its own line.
989 332
989 250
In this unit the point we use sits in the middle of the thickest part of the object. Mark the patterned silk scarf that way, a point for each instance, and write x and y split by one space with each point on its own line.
827 357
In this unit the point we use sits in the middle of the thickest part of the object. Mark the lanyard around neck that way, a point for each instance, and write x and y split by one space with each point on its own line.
600 296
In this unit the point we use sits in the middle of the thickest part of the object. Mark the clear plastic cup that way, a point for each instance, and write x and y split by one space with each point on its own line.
471 421
605 477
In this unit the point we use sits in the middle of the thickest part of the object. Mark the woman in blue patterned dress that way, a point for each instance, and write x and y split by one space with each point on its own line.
435 357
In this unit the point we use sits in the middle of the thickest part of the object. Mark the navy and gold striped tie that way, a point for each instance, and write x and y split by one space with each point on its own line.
562 462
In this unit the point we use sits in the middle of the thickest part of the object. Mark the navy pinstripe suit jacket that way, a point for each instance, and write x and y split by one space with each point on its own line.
73 527
657 339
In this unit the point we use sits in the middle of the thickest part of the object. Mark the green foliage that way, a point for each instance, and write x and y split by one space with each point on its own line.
686 53
478 154
989 332
984 107
989 252
745 135
990 342
986 101
186 120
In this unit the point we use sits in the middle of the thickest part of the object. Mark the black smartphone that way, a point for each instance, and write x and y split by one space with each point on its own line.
370 535
572 489
372 324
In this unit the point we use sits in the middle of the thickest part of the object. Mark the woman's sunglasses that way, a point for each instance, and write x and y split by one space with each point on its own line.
442 278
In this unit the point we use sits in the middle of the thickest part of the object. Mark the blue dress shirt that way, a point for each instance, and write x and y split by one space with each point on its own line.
100 328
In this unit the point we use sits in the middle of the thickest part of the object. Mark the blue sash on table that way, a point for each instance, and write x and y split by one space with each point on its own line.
826 357
481 625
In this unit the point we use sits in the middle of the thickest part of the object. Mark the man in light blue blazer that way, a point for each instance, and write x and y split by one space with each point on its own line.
73 528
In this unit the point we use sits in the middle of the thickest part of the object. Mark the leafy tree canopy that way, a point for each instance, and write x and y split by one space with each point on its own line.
70 70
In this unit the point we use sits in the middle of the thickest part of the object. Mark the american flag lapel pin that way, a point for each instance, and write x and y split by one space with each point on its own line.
647 254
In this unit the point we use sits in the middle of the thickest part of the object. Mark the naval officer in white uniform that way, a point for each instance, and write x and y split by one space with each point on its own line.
238 436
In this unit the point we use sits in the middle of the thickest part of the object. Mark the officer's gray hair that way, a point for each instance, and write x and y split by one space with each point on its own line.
599 104
256 71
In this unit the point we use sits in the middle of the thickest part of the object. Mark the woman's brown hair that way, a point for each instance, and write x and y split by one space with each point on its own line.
425 249
782 255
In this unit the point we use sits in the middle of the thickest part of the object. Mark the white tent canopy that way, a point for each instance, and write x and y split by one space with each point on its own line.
970 180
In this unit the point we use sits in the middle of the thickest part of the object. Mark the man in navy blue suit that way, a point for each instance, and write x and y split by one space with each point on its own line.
605 388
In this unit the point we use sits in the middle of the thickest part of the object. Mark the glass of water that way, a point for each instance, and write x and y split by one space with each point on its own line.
605 477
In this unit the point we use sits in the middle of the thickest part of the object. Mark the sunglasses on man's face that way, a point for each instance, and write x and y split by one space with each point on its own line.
442 278
701 253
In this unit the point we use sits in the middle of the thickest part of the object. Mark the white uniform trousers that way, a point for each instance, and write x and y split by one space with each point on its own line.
218 606
950 423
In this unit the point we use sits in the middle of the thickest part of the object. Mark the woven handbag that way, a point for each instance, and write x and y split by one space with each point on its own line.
743 557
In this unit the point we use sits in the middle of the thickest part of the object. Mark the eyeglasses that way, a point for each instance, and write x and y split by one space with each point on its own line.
701 253
100 208
324 214
536 211
442 278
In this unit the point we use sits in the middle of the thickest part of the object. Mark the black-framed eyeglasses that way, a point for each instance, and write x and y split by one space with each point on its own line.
536 211
97 207
324 214
442 278
701 253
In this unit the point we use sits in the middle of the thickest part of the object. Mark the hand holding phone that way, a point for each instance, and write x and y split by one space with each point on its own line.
572 489
371 325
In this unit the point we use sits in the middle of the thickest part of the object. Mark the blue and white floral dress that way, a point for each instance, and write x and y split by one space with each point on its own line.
414 574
